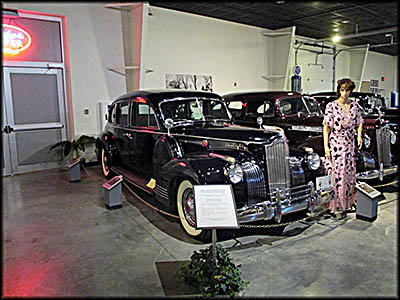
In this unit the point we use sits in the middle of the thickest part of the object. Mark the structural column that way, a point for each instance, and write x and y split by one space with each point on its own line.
134 28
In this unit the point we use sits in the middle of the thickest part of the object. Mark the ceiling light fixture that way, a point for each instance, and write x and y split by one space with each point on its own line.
336 38
345 21
280 2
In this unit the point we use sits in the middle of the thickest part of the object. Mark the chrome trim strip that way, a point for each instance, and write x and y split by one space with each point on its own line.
161 191
373 174
218 139
157 131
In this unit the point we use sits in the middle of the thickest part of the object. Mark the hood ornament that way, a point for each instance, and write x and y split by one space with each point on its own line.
260 121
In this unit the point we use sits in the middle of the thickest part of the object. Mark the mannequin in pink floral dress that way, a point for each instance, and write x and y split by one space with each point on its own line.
342 120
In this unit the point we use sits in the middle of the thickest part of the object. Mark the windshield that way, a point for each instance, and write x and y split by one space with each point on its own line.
303 104
194 109
369 104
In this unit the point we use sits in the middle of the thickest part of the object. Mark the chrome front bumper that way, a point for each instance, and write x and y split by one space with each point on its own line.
283 204
381 173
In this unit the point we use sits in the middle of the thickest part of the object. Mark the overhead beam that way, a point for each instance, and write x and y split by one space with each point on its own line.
365 33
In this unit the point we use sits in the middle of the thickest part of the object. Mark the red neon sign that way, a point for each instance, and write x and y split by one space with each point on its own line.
15 40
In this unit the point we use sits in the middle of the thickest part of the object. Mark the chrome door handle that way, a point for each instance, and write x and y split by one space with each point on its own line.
128 135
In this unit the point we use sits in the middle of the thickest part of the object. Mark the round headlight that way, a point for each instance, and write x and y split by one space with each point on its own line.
367 141
313 161
234 173
393 137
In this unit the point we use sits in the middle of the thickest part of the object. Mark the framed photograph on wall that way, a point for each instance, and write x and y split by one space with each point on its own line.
189 82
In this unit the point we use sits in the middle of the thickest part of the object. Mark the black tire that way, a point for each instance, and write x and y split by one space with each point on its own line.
185 207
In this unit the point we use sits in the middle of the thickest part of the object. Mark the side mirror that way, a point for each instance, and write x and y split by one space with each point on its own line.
169 123
260 121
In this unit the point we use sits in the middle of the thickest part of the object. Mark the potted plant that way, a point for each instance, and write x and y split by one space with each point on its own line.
75 145
222 278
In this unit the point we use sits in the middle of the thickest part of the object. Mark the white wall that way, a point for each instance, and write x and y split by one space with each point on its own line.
348 64
184 43
95 43
380 65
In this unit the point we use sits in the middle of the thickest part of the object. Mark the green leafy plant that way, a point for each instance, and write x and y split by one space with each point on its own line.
75 145
213 279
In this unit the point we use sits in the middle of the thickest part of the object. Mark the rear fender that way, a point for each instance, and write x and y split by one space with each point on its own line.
107 141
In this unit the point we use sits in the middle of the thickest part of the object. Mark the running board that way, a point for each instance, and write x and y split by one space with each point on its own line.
133 179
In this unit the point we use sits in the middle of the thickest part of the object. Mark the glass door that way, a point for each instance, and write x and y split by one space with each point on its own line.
35 110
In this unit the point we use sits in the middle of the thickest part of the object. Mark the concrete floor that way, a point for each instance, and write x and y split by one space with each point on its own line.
60 240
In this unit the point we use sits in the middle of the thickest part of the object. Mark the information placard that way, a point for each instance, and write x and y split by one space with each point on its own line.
367 190
215 206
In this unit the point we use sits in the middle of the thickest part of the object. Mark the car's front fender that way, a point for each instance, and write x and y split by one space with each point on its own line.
199 170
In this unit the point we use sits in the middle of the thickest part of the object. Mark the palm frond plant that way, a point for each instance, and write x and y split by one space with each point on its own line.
75 145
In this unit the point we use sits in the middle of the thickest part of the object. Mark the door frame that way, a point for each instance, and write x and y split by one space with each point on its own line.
6 168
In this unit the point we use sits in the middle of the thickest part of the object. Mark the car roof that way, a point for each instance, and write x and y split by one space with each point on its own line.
269 94
354 94
157 95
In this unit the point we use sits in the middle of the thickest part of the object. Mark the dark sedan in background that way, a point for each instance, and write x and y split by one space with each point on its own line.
374 108
300 117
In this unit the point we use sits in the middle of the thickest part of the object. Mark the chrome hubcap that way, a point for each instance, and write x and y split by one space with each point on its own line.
188 207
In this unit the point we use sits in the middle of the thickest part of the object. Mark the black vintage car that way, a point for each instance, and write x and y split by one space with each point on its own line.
300 117
374 108
166 141
373 105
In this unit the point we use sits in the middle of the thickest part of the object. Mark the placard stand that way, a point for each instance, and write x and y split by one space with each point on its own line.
75 170
214 242
215 208
367 202
113 192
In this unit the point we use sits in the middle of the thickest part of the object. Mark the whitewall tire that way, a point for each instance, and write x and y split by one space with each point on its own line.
185 205
105 165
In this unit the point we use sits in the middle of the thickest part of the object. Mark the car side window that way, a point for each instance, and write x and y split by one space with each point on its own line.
112 114
286 107
265 110
195 112
235 107
143 116
122 112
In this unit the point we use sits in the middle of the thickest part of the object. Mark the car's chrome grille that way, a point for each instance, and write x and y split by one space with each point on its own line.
254 177
277 165
383 145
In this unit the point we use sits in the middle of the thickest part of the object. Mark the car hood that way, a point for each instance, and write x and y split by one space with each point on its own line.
230 132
